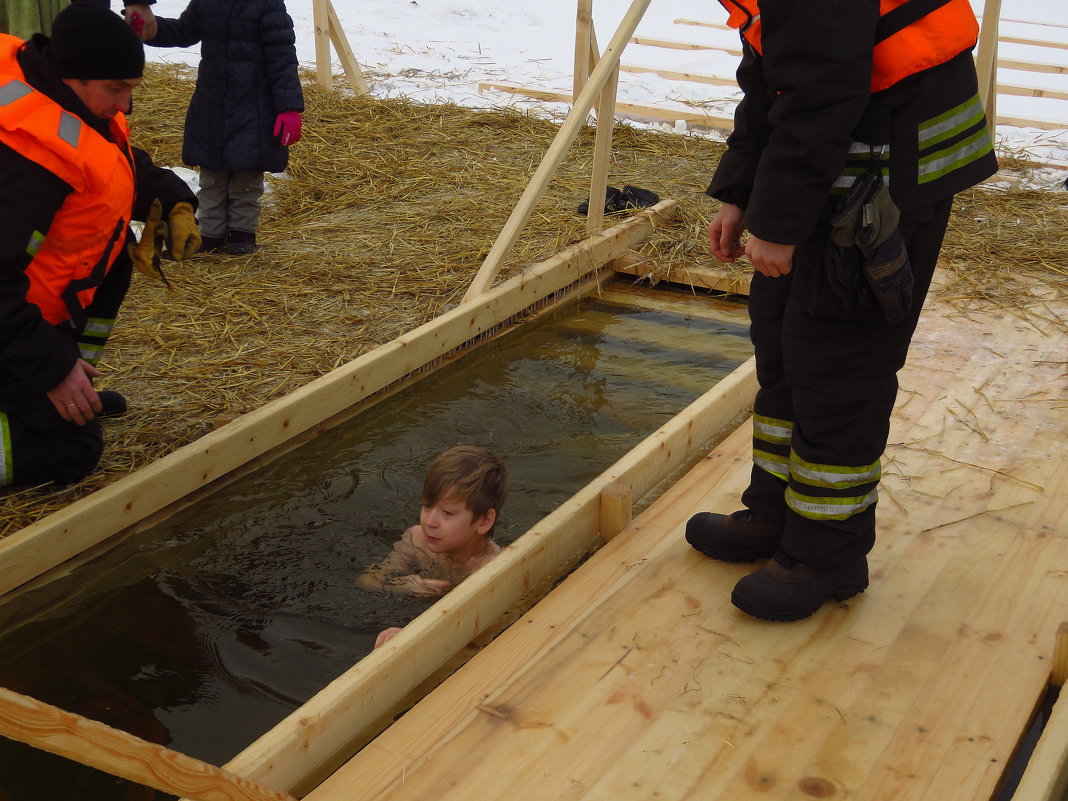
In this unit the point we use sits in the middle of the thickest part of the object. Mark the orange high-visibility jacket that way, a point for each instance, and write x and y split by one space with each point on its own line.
912 36
88 232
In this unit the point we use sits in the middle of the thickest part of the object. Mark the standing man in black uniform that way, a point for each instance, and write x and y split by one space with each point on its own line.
841 102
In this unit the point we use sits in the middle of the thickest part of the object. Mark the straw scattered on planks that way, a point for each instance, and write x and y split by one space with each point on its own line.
381 221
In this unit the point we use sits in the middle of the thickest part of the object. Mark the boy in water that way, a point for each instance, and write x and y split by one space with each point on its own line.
463 492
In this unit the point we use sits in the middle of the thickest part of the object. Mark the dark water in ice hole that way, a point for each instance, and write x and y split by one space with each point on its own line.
204 631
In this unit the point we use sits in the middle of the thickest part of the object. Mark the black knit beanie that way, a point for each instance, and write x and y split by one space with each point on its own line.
91 42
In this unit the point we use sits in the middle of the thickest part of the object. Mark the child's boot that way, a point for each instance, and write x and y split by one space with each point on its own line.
211 244
241 243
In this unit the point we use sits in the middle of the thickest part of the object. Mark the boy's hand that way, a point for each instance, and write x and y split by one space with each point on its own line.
417 585
386 635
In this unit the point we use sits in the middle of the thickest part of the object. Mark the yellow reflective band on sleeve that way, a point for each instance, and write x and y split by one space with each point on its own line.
833 476
817 508
100 327
772 430
7 472
36 240
91 353
774 463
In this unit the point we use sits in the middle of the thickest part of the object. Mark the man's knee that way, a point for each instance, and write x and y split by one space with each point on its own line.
61 455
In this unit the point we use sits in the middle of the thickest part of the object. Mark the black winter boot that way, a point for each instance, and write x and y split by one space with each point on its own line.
737 537
211 244
241 243
785 589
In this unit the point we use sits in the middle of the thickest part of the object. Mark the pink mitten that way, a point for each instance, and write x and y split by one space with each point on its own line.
287 127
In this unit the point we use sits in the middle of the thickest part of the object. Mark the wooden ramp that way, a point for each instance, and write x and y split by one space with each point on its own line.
636 679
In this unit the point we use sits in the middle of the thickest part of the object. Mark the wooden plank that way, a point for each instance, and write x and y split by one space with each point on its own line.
1030 91
1046 776
1022 122
1032 66
676 75
638 110
986 56
344 51
90 520
707 278
584 45
675 44
616 510
321 21
313 739
556 153
100 746
602 153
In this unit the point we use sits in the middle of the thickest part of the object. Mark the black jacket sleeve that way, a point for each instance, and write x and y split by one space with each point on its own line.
803 98
157 182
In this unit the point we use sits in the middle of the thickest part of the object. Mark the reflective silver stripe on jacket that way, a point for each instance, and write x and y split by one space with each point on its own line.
70 128
13 90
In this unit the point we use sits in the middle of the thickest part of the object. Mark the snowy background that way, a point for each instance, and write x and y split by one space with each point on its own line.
440 50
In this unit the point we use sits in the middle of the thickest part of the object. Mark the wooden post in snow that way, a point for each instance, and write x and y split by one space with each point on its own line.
328 29
584 45
606 66
602 152
95 744
986 61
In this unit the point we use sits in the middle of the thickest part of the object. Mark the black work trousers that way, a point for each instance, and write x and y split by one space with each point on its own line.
37 446
827 372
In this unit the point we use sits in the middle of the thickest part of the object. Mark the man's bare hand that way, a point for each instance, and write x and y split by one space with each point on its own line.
725 233
769 258
74 398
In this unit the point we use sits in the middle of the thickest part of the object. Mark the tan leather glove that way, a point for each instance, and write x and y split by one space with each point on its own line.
184 237
147 253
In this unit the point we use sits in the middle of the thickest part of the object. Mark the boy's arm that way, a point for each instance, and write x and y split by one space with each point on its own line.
396 573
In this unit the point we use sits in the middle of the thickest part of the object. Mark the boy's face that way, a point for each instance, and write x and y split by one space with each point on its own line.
451 528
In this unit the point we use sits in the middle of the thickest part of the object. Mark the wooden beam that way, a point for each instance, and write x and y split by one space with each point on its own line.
616 511
583 45
1032 66
986 57
92 743
704 24
1023 122
556 153
674 44
706 278
1046 776
602 153
1033 42
640 111
344 52
676 75
1031 91
321 21
313 738
1058 675
41 546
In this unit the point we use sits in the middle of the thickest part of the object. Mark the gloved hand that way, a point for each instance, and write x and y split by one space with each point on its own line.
146 254
183 238
287 127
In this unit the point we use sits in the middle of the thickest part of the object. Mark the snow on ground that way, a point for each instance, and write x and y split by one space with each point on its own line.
440 50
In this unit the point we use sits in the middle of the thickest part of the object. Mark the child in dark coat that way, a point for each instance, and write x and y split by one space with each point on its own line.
245 112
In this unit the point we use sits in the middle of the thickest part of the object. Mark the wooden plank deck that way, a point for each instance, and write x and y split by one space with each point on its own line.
636 679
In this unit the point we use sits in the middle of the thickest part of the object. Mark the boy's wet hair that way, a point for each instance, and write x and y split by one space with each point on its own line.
470 474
